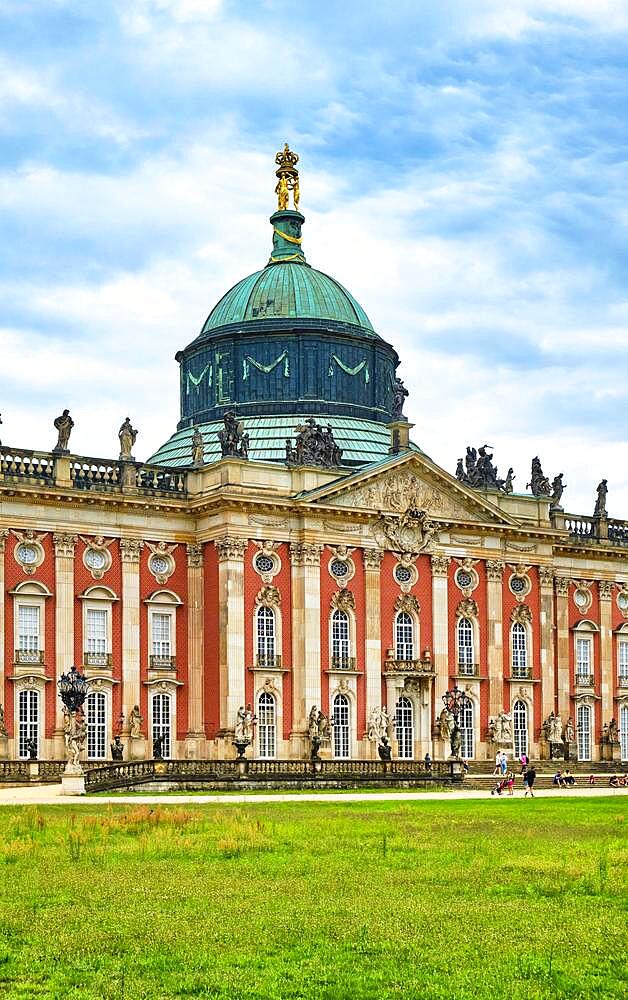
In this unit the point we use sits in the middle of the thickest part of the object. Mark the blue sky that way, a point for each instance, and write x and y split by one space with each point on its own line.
463 173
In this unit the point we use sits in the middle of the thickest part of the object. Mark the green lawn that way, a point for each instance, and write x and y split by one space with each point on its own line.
483 899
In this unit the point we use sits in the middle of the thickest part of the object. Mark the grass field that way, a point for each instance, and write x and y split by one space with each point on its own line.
519 899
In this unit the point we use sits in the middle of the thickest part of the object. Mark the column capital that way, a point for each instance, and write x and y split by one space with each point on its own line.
562 585
440 565
195 555
4 532
546 576
229 547
305 553
373 558
130 549
64 543
605 588
495 569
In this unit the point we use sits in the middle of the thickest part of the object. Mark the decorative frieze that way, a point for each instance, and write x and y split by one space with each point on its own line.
305 553
495 569
130 549
468 609
195 555
408 603
373 558
269 597
343 600
230 548
440 565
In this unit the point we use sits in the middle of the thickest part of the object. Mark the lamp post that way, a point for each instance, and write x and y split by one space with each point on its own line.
455 702
73 688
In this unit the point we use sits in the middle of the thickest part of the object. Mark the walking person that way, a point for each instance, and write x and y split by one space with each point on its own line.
504 764
498 763
530 778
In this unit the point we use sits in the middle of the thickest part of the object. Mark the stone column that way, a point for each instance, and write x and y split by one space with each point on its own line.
3 739
372 632
494 574
64 543
130 551
548 678
605 588
231 629
306 638
440 635
195 734
562 645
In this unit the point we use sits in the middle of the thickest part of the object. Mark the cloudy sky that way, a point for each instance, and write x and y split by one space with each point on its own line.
463 173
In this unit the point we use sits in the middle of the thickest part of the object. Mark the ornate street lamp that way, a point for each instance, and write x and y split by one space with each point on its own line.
73 688
455 702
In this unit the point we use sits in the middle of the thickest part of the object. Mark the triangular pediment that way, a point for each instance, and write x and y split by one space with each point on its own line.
390 486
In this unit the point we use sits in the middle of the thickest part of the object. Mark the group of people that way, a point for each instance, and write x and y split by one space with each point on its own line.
563 779
506 781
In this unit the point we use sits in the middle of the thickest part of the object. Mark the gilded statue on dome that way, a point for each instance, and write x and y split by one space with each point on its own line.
287 178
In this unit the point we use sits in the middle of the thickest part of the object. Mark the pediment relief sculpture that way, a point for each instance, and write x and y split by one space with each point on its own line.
393 492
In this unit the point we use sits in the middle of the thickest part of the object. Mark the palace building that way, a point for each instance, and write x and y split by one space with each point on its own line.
290 548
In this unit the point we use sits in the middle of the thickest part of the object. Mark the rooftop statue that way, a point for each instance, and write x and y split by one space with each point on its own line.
558 488
314 445
128 436
288 178
198 449
600 503
539 484
399 395
63 424
478 471
234 441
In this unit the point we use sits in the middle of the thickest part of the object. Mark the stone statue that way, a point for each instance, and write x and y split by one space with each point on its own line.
506 484
117 749
480 472
378 725
600 503
400 393
460 471
312 722
558 488
158 748
3 725
314 445
502 728
234 443
63 425
75 734
445 722
570 731
198 449
553 731
128 436
244 725
135 722
613 732
31 748
324 728
539 484
384 748
456 740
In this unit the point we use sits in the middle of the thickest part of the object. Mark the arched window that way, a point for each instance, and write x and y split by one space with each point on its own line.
404 727
623 731
265 637
520 727
342 734
340 643
519 646
583 731
28 717
467 741
266 725
161 722
465 646
96 725
404 636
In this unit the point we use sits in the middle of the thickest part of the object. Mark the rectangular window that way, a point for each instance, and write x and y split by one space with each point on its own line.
96 629
28 717
583 658
28 628
96 725
622 657
161 634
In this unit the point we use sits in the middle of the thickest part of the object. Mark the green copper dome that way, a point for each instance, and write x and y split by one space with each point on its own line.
287 290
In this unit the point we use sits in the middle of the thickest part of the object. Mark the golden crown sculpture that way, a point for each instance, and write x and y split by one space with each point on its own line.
288 178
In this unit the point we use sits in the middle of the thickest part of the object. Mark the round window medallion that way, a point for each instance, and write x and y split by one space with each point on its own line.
95 559
463 578
264 564
622 602
159 564
403 574
27 554
518 584
581 598
339 568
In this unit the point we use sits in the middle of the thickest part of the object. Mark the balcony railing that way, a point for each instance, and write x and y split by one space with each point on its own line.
29 656
585 680
343 663
522 673
622 680
31 466
468 669
409 666
271 661
162 662
97 659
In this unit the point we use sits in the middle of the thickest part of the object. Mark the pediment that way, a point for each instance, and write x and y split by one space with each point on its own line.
410 479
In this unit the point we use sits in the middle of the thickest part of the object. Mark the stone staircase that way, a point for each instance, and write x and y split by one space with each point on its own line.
481 777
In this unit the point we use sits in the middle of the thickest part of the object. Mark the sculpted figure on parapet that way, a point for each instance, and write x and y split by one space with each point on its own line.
600 503
479 472
234 441
127 436
313 445
63 425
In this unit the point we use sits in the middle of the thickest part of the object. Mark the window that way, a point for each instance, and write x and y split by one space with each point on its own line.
583 718
96 725
28 718
623 731
519 642
265 637
404 728
404 636
583 660
622 660
28 628
466 731
520 727
266 726
342 741
340 644
465 646
96 632
161 634
161 720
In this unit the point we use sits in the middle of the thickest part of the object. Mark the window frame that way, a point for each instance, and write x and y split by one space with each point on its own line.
342 736
404 729
26 733
400 644
97 731
267 731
